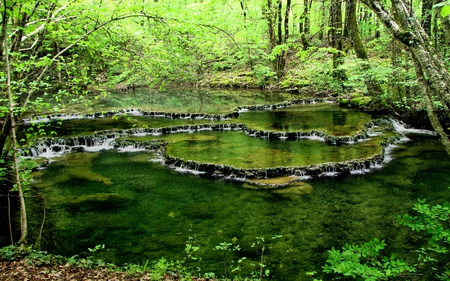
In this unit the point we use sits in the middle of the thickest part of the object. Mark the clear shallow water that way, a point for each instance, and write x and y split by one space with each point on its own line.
141 210
189 100
326 117
237 149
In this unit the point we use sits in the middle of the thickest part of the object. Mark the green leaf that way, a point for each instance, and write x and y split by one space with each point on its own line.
445 11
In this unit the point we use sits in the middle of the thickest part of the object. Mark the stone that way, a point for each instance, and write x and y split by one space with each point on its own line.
296 188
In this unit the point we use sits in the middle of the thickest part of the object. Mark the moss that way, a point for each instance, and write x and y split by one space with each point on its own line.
97 202
277 180
302 83
297 188
343 101
286 84
356 95
355 101
360 101
365 101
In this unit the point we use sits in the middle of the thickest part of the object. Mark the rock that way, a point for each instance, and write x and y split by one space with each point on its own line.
296 188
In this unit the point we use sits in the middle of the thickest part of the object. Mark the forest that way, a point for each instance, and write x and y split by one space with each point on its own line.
371 55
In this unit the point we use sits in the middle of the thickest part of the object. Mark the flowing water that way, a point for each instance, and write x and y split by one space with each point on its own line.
141 210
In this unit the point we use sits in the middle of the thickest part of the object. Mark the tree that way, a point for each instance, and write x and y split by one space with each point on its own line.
336 40
278 31
35 36
433 77
355 40
305 23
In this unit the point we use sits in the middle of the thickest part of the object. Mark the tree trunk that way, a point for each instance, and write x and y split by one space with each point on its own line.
18 182
305 23
335 35
323 14
427 7
244 10
268 13
274 17
434 120
279 20
412 35
373 87
286 20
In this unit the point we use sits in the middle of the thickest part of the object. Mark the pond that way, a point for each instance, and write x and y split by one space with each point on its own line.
130 199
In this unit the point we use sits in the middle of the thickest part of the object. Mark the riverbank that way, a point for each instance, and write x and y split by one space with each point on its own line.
22 269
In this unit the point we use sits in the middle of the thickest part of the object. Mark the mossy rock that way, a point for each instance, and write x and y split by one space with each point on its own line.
277 180
356 95
296 188
361 101
302 83
286 84
344 101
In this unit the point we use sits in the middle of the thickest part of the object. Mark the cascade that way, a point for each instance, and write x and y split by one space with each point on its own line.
330 171
109 139
283 136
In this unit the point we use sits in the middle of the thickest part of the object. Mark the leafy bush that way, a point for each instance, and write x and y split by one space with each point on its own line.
365 261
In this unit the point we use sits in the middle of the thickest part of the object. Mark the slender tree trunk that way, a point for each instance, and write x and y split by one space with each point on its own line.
323 14
355 38
335 35
244 10
286 20
279 20
274 17
434 120
18 182
305 23
268 13
427 7
428 65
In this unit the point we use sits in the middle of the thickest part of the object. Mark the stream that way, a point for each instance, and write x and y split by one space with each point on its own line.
317 174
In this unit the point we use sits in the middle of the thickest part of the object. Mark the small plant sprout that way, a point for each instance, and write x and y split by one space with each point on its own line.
262 245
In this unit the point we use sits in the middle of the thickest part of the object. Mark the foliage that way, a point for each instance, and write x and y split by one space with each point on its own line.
445 11
226 248
366 261
434 221
262 245
190 247
363 262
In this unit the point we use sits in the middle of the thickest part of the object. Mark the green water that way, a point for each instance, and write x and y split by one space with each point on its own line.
84 126
140 210
305 117
325 117
237 149
143 211
168 100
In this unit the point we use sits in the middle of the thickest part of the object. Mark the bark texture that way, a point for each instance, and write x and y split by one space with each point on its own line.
430 68
355 38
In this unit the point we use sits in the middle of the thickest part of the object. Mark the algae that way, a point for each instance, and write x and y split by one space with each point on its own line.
76 165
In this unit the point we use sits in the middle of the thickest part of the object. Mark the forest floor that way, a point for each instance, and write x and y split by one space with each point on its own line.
24 271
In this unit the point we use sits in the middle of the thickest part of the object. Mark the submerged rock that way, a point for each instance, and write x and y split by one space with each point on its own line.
297 188
277 181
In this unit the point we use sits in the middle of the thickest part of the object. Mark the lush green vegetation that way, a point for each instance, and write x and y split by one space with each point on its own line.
428 223
55 50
